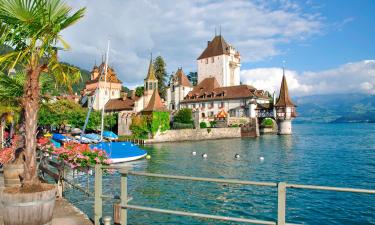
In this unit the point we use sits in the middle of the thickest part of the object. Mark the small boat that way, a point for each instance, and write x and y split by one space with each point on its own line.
110 135
60 138
84 140
92 136
121 151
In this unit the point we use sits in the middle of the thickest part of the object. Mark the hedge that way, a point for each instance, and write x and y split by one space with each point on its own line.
178 126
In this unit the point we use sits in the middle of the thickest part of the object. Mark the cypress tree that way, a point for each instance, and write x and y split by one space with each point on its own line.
161 75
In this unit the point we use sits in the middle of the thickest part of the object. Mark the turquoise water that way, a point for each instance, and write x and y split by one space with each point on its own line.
341 155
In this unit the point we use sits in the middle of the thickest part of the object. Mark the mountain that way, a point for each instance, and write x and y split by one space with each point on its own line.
337 108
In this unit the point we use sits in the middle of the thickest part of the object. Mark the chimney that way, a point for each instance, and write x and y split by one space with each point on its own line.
124 96
133 94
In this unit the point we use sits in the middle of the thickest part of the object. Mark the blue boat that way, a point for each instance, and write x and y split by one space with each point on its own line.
110 135
121 151
60 138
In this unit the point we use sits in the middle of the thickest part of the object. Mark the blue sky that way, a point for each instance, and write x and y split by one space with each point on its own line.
348 35
328 46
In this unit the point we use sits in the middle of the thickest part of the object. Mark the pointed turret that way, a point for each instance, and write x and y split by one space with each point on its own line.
285 109
284 98
151 83
155 104
151 71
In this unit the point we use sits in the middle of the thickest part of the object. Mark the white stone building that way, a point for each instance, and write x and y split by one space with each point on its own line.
208 98
109 89
219 60
178 88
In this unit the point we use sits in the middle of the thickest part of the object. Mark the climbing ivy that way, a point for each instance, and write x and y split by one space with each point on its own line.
143 125
160 120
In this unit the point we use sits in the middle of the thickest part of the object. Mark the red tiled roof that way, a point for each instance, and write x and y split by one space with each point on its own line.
218 46
284 98
119 104
111 75
182 78
208 89
155 104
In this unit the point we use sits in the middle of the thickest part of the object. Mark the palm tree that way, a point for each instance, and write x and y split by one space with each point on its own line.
31 28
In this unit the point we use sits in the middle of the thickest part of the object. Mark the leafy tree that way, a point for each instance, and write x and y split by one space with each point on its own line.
193 78
183 116
32 29
139 91
161 75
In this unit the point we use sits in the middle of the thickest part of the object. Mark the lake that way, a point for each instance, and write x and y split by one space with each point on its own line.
341 155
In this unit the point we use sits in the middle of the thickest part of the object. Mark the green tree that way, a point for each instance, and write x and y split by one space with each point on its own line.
139 91
183 116
161 75
32 28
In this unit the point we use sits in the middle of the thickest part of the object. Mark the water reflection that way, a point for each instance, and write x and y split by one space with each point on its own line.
314 154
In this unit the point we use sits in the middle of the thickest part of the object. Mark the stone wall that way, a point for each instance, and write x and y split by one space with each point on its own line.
196 134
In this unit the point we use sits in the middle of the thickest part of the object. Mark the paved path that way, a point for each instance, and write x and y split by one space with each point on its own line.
64 213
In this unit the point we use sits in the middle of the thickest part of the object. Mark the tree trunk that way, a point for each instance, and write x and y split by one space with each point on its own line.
2 127
31 106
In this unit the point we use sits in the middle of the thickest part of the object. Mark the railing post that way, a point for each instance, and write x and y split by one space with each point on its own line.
281 203
98 194
124 196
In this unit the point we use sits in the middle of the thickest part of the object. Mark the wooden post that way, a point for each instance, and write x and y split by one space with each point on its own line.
281 203
98 194
124 196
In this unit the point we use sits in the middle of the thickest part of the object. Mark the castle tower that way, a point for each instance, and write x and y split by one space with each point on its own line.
108 88
285 109
178 88
220 60
151 84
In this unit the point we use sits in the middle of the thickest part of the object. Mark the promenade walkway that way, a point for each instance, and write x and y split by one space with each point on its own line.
63 214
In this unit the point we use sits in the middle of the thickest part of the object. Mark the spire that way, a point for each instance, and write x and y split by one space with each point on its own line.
155 103
151 71
284 98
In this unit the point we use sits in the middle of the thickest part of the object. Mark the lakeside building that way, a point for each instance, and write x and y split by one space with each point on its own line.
219 60
218 87
109 87
178 88
285 109
129 106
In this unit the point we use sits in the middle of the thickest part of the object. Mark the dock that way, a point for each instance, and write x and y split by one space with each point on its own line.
64 212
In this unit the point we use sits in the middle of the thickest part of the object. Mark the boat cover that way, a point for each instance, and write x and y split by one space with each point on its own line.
109 134
120 150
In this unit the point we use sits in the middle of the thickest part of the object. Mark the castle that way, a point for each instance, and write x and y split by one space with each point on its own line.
217 94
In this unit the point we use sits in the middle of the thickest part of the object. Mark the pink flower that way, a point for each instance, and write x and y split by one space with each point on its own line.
97 160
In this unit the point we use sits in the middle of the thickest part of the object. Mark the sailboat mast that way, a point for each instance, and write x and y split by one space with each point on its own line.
105 87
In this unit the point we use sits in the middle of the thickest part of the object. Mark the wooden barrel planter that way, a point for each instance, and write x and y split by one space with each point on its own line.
12 174
35 208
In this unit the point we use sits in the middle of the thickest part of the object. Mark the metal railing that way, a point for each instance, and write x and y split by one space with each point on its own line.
281 196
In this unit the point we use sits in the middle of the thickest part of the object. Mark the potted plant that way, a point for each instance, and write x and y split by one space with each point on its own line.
12 165
32 29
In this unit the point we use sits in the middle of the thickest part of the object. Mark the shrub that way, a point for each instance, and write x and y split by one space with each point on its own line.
268 122
178 126
183 116
203 125
212 123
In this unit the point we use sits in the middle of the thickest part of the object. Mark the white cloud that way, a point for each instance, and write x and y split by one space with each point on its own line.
179 30
356 77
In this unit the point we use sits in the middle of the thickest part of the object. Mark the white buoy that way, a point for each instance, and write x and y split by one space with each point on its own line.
194 153
204 155
261 158
236 156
